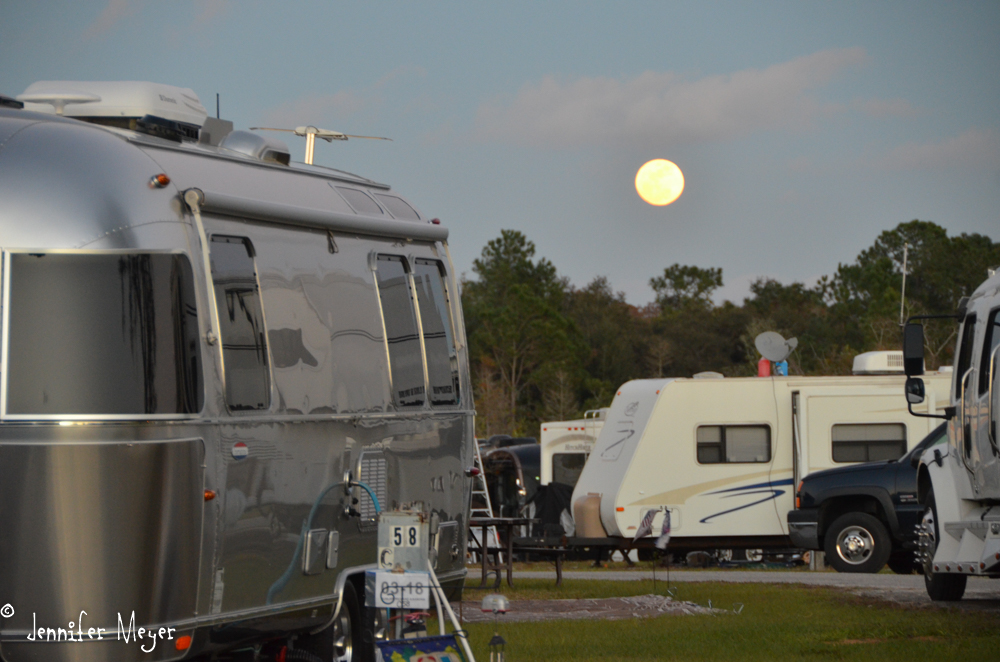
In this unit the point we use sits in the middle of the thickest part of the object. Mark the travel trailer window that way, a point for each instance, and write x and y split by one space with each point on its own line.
868 442
435 317
241 324
990 342
405 362
113 334
719 444
567 467
398 207
360 202
965 353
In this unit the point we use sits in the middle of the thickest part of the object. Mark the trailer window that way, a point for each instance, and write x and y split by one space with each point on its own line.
868 442
567 467
241 324
405 362
718 444
103 334
435 318
360 202
990 342
398 207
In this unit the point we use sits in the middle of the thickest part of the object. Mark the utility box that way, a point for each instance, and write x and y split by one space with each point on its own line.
403 541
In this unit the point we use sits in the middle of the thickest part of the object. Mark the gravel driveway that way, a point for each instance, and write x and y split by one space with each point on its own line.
981 593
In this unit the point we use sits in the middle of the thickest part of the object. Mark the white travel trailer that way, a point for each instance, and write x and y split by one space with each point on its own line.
566 445
216 366
723 454
960 484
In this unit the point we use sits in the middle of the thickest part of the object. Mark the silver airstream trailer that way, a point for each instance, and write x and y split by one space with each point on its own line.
216 366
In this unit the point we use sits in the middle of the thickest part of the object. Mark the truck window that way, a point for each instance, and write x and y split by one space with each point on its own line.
405 362
435 318
868 442
719 444
567 467
112 334
964 354
241 324
990 342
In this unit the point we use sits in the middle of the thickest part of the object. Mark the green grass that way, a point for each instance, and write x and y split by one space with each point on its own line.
778 622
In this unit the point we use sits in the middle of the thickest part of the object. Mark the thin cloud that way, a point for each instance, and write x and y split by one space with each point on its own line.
973 148
320 108
210 10
113 14
884 107
665 106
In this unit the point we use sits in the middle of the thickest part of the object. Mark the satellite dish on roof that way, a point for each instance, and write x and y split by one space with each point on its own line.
773 347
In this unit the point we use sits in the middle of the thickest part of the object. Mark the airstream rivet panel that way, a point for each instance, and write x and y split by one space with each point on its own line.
249 329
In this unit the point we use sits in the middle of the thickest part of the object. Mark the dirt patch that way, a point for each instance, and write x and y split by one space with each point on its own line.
640 606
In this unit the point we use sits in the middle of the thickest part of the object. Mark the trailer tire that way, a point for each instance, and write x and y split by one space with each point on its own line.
342 641
941 587
857 542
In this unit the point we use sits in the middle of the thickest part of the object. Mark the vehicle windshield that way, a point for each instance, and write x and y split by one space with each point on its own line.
935 437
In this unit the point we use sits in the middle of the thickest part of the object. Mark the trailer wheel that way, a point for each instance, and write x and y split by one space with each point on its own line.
857 542
940 587
341 642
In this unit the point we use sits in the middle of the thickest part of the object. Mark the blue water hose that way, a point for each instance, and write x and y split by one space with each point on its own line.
282 581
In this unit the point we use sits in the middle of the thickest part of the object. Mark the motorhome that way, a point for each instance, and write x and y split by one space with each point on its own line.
217 366
723 455
959 536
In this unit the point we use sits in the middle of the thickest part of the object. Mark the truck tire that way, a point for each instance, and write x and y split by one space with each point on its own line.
941 587
857 542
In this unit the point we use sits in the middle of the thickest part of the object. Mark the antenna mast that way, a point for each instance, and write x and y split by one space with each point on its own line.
902 298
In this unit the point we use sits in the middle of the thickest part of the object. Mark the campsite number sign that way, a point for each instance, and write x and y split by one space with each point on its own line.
405 536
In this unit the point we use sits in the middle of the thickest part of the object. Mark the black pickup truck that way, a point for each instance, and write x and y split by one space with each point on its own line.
862 515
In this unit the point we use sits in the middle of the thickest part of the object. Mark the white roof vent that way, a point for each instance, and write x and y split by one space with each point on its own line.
708 374
879 363
119 99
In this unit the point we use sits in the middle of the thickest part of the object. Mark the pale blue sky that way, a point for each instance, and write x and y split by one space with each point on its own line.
804 129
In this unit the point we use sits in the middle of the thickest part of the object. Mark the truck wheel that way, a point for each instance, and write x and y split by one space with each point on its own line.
940 587
857 542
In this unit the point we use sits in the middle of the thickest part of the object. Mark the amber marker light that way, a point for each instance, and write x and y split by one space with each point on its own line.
159 181
183 643
209 495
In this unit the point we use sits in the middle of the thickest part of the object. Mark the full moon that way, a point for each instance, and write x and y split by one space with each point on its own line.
659 182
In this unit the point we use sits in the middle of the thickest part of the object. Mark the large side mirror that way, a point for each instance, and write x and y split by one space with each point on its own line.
914 390
913 354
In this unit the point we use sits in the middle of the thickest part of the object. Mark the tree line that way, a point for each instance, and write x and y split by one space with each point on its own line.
542 349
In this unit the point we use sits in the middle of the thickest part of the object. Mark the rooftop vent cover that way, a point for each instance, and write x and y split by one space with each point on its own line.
257 147
119 99
879 363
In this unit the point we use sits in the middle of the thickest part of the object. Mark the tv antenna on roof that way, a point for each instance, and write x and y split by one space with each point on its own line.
312 133
773 347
